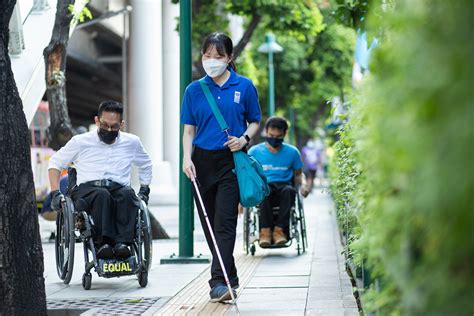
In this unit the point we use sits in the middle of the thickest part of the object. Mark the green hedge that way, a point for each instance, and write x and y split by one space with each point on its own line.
403 170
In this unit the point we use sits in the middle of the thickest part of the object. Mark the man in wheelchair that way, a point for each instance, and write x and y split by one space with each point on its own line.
103 159
282 165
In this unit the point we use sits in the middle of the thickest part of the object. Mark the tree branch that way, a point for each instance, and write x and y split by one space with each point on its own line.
238 49
60 129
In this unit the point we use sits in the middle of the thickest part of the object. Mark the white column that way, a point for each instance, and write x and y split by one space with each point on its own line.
145 112
40 5
171 93
16 42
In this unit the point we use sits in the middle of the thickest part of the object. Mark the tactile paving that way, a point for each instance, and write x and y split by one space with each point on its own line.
105 306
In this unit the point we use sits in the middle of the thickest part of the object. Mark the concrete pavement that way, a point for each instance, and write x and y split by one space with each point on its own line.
275 281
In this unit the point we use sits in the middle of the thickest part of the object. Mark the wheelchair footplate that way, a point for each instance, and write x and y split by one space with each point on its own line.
111 268
285 245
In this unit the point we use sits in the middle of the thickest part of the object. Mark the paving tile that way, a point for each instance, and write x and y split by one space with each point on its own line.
325 265
284 269
282 258
323 281
249 311
271 307
282 282
273 294
324 295
325 312
182 269
325 289
325 304
350 303
324 273
279 273
351 312
347 290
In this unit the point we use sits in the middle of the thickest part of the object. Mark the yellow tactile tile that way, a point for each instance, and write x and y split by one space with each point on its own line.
194 298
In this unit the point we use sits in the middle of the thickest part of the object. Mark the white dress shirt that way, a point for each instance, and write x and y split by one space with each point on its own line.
96 160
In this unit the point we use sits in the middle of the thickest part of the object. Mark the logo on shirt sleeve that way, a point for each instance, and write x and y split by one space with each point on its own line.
237 96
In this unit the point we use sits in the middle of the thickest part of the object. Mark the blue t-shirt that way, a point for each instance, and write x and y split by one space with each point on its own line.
279 166
237 100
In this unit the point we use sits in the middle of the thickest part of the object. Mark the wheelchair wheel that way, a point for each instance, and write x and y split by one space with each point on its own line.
299 243
143 278
299 246
65 241
246 230
145 239
304 238
86 281
252 250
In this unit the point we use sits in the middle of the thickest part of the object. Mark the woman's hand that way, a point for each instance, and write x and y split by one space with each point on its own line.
188 168
236 144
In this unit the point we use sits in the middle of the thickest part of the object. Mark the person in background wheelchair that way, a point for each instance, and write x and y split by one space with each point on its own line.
282 165
103 159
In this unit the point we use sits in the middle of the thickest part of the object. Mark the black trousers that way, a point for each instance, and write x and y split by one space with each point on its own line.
281 194
113 210
220 193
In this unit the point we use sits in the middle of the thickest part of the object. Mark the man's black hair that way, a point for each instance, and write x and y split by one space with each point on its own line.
110 106
277 122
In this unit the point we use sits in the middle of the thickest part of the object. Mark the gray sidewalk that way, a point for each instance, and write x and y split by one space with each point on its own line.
273 282
122 295
313 284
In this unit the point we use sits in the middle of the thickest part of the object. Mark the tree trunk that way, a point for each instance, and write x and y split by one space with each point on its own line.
239 48
60 130
22 289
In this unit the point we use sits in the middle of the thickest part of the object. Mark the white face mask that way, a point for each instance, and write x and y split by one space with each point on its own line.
214 67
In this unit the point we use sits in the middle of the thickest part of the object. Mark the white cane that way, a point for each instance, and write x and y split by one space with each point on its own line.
193 180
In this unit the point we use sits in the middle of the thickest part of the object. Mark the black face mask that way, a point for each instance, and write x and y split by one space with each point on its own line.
274 142
107 136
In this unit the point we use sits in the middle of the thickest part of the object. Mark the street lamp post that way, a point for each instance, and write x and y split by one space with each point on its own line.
186 206
270 47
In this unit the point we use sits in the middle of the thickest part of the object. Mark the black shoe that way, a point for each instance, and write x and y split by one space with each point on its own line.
121 251
105 252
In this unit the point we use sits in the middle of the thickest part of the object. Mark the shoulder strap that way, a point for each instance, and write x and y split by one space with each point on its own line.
214 108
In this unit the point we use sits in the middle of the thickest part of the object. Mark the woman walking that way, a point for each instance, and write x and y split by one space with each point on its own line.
207 150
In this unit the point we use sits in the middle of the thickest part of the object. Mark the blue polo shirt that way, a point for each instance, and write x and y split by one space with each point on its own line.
237 100
279 166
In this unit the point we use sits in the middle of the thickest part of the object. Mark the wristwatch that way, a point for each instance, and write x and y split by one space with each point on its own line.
247 138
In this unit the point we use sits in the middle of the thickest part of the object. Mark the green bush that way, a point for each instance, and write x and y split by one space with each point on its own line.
410 143
345 178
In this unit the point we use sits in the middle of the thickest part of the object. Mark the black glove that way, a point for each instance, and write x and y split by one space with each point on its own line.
56 198
144 193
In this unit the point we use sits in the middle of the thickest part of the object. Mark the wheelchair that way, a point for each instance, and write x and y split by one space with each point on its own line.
296 230
74 226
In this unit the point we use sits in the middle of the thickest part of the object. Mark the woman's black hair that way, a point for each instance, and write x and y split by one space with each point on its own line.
222 43
110 106
277 122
